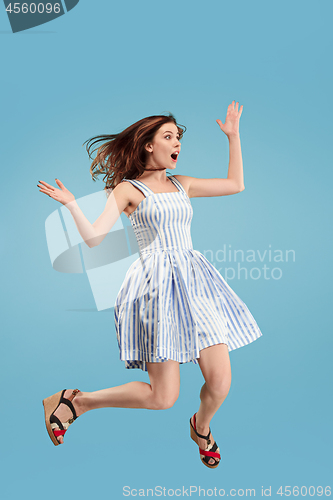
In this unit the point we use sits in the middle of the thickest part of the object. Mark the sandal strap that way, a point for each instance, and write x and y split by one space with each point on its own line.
195 430
59 428
210 453
55 420
201 436
68 401
59 433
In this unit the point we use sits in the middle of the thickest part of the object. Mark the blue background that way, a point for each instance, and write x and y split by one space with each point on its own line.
96 70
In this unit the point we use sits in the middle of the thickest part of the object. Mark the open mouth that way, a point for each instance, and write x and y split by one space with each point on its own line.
174 156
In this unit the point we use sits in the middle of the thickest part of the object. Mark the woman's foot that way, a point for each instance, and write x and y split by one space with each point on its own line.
203 444
64 413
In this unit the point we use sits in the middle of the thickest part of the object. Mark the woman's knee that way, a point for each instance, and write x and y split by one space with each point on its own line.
165 401
218 385
165 384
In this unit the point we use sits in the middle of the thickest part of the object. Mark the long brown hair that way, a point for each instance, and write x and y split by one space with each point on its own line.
123 155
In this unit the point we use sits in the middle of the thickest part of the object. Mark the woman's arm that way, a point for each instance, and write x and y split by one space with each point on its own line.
234 183
235 170
92 234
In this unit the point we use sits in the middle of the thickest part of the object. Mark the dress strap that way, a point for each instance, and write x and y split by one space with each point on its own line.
147 191
140 185
177 183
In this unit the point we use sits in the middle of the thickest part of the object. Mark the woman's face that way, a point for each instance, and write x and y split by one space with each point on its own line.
164 149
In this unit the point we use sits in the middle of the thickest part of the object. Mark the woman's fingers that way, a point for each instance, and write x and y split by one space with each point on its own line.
235 107
231 124
50 193
47 189
231 107
46 184
60 184
49 186
60 194
232 111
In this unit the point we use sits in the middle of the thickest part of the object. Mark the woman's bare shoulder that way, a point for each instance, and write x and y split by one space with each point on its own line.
123 191
127 193
185 181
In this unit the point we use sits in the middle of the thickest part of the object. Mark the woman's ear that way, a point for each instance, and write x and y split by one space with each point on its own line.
149 147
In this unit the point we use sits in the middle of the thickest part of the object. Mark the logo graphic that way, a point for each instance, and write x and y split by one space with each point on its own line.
105 264
25 15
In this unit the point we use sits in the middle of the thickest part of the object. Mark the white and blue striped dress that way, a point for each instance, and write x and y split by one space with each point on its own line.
173 302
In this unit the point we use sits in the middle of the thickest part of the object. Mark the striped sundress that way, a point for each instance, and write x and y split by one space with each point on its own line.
173 302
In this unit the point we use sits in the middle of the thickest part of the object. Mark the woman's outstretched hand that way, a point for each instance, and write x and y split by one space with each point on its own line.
231 125
62 195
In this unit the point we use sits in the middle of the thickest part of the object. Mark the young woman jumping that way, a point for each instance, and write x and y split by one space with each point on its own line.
173 306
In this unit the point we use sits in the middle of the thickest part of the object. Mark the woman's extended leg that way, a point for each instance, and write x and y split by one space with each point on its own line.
215 366
161 393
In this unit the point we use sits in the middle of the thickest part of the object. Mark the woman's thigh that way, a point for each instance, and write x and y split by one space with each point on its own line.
215 366
165 381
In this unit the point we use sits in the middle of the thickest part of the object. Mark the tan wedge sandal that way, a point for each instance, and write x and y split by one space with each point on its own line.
54 427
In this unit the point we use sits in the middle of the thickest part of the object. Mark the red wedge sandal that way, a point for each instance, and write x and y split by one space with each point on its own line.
54 427
212 451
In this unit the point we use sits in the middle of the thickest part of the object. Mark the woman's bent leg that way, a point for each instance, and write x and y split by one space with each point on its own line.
159 394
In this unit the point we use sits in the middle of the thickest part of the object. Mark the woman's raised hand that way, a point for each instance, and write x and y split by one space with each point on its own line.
231 125
62 195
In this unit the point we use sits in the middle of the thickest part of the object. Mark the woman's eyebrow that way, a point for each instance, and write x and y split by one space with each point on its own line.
170 132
